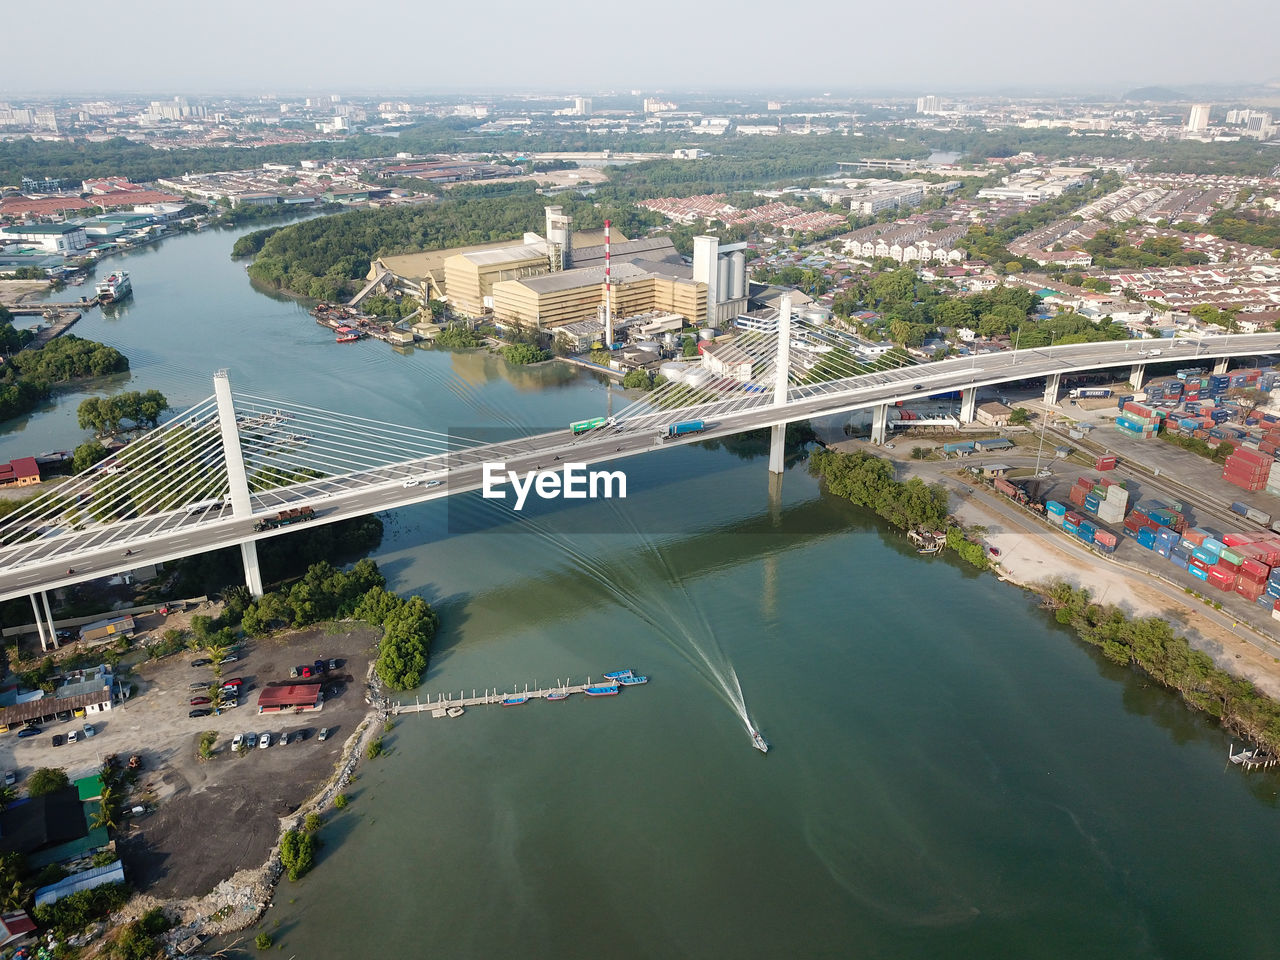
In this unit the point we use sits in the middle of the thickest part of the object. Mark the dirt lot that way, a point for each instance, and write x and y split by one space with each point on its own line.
216 817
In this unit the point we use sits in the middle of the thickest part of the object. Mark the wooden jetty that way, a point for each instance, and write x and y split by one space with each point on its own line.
447 705
1256 759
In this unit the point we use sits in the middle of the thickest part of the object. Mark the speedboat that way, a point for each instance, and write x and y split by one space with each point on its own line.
759 742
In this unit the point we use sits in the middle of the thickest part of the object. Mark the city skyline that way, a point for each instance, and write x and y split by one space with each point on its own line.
293 47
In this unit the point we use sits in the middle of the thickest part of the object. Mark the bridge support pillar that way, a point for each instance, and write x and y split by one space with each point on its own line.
879 423
777 447
44 642
252 572
1137 375
1220 365
48 615
1052 383
969 405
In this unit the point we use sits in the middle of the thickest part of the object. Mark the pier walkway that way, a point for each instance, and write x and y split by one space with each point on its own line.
439 707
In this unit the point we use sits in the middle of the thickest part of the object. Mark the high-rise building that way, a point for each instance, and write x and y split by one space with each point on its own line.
929 104
582 106
1199 119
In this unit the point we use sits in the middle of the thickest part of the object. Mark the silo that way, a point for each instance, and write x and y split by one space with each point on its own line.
706 333
738 275
675 372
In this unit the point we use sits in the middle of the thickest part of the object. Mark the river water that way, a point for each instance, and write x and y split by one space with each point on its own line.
952 774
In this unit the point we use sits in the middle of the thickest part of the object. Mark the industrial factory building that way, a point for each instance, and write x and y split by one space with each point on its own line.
560 279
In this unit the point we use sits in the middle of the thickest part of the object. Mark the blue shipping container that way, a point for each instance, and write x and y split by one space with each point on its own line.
1198 573
1053 506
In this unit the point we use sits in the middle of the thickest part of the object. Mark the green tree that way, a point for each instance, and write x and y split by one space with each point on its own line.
638 380
86 455
298 852
1020 416
689 348
519 354
47 780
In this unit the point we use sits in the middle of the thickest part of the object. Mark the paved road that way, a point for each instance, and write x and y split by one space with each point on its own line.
76 556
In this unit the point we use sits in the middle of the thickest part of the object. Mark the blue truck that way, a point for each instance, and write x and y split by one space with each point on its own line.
684 428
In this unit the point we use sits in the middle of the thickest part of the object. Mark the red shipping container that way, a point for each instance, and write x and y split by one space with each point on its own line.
1194 536
1077 496
1198 564
1075 518
1237 539
1105 463
1228 566
1251 590
1253 456
1106 538
1252 572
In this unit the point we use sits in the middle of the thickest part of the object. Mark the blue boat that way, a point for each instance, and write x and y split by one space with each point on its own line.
631 681
558 695
514 701
617 674
602 691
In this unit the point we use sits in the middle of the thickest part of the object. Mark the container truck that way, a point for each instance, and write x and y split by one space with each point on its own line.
683 428
582 426
1081 393
285 518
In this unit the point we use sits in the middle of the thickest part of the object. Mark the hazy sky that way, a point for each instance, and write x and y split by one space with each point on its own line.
287 46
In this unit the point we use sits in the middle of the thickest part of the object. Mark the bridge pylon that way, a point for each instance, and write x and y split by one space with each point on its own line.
237 476
782 369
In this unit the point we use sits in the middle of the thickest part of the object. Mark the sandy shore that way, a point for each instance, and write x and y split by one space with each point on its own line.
1032 554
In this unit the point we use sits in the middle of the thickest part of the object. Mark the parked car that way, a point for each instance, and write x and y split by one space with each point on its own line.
201 685
59 739
29 732
323 734
64 635
228 704
201 662
89 731
64 716
293 672
284 739
200 701
251 740
202 712
10 778
318 667
304 672
233 682
230 658
264 740
236 741
73 737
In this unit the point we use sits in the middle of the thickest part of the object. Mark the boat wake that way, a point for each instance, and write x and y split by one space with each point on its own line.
672 611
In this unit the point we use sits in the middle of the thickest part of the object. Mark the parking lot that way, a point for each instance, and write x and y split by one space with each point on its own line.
207 819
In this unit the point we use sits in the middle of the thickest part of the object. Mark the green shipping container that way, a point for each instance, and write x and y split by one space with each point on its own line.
1231 557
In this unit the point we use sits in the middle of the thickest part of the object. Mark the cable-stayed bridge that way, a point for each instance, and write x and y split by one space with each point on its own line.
219 473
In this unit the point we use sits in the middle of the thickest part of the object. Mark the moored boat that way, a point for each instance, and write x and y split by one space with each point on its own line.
514 701
348 335
453 712
610 690
617 674
632 680
558 695
115 287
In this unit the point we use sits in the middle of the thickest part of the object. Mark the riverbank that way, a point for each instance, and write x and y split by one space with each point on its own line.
239 901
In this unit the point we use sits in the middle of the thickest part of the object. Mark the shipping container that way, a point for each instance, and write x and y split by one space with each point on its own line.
1198 573
1104 463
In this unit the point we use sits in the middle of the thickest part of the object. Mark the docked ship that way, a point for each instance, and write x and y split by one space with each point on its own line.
115 288
348 335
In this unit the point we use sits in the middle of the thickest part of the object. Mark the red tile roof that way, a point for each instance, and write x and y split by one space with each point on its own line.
127 198
40 206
